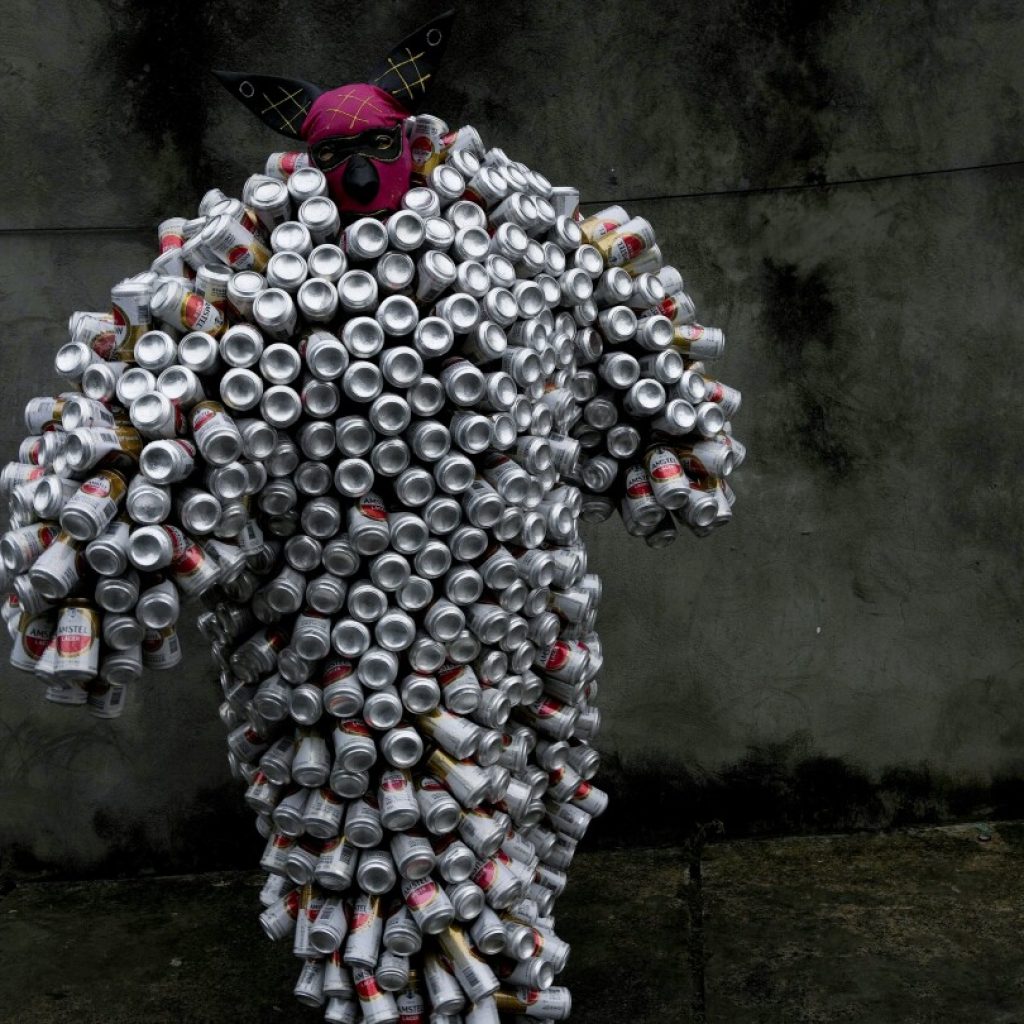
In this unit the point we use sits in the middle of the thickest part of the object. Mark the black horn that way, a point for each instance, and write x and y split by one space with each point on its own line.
281 103
408 72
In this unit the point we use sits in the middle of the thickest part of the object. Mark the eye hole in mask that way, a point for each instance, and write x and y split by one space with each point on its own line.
382 144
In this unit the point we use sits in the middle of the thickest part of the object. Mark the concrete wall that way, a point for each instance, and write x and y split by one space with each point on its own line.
849 650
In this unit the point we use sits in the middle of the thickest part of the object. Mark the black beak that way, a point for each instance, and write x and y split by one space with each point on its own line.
360 179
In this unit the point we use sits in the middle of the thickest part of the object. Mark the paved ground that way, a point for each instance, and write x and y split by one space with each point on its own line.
915 927
922 926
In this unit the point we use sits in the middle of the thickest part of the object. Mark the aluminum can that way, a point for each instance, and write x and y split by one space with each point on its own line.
401 935
291 236
311 764
697 342
242 290
413 854
377 1005
234 246
185 310
78 642
309 907
357 293
89 511
21 547
130 303
368 525
487 187
603 223
398 807
395 273
429 905
435 273
325 355
320 216
309 987
327 261
215 433
446 997
677 418
439 810
273 309
473 973
317 300
328 931
270 201
34 635
365 932
107 554
167 461
354 748
336 866
639 497
364 239
665 473
55 571
727 398
278 920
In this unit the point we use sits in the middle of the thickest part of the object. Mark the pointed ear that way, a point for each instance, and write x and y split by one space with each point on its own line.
281 103
408 72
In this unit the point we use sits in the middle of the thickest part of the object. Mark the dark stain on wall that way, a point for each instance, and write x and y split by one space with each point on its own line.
777 789
801 328
789 789
157 62
761 64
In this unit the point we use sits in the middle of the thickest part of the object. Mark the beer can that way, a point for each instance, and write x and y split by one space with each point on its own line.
131 303
377 1005
472 972
185 310
698 342
401 935
318 213
309 987
242 290
78 642
429 905
215 433
327 261
161 648
364 239
443 990
233 244
335 868
93 507
274 311
366 928
665 473
291 236
600 224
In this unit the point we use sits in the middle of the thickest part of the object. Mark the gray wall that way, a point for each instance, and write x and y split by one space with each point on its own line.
848 651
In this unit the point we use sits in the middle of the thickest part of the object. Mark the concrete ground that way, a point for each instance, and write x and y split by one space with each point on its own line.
920 926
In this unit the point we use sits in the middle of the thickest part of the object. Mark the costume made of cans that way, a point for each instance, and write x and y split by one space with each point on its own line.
359 453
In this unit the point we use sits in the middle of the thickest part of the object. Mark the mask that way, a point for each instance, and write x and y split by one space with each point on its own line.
356 136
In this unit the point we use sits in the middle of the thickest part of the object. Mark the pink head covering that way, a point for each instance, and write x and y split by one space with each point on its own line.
342 124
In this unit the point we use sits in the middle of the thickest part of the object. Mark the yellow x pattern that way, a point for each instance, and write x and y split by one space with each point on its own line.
301 110
421 78
354 116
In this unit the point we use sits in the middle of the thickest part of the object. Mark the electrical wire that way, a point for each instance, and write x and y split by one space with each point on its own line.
809 185
760 190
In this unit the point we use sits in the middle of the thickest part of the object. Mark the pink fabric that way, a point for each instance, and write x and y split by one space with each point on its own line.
350 110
